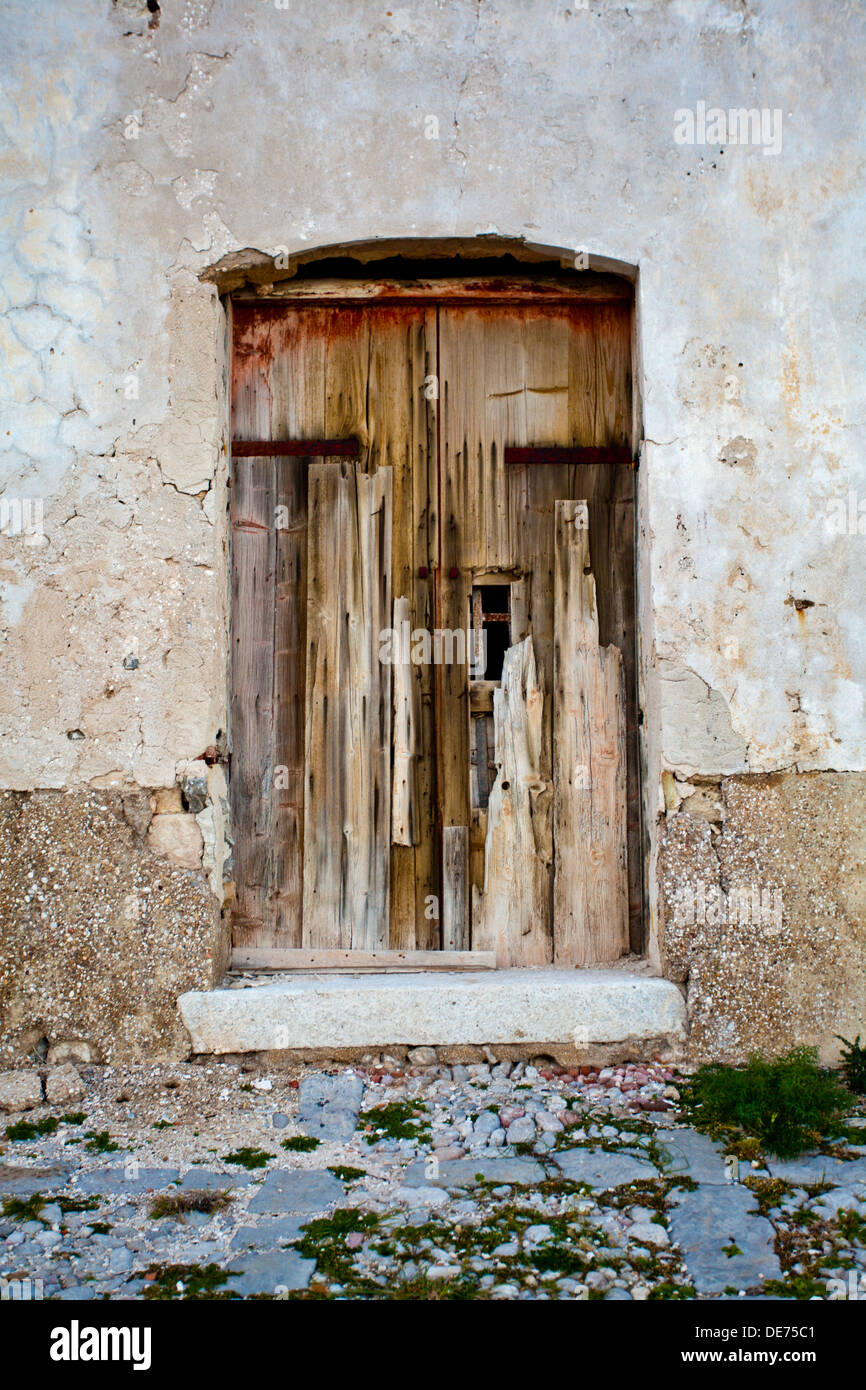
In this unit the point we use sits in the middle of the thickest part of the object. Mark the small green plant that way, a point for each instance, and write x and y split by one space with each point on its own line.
73 1204
187 1282
25 1129
100 1228
27 1209
77 1117
100 1142
248 1158
162 1124
785 1102
399 1119
347 1174
854 1064
179 1203
300 1144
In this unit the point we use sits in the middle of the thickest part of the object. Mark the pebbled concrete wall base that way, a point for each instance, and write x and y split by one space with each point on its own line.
98 935
763 910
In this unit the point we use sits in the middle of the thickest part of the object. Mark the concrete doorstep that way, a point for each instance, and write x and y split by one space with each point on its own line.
577 1008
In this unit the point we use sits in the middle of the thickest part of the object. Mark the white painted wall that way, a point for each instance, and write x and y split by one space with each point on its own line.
137 156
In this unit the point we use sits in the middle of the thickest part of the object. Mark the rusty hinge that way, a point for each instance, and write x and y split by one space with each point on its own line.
608 453
297 448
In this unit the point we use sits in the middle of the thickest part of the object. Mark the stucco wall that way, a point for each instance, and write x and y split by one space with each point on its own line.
143 146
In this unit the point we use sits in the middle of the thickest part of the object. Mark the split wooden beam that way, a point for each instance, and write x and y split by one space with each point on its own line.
511 915
407 730
590 894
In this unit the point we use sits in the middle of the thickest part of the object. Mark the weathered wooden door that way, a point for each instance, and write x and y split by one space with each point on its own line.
324 545
418 456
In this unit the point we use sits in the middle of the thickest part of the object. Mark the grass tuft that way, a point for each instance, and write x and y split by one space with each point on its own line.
786 1103
178 1203
300 1143
248 1158
854 1064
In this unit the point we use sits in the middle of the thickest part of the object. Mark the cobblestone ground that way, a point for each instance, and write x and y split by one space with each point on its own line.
415 1180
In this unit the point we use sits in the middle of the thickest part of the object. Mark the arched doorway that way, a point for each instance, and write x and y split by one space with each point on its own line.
413 443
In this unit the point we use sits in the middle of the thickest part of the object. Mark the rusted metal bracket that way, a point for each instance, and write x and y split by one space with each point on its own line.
297 448
610 453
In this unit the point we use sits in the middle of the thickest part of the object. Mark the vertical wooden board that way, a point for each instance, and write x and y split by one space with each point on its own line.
547 341
612 338
371 713
252 627
401 423
505 405
347 806
547 346
287 824
297 379
511 915
252 635
325 784
347 359
425 527
406 732
590 895
582 376
455 887
461 448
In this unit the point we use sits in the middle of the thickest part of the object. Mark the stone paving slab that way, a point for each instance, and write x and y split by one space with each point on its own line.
24 1182
282 1229
207 1180
111 1182
272 1272
692 1155
464 1172
329 1105
417 1197
296 1190
601 1168
814 1168
841 1199
713 1217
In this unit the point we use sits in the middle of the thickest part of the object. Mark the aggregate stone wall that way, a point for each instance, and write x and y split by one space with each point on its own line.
763 896
98 934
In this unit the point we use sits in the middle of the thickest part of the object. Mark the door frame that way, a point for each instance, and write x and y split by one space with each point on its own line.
451 284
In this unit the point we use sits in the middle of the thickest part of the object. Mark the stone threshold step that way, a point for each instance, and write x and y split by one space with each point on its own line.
578 1008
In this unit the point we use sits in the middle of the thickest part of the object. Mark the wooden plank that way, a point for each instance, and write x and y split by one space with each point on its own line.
612 453
301 959
515 289
290 612
253 561
455 887
424 369
252 630
398 439
347 804
404 796
590 894
296 385
295 448
511 915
